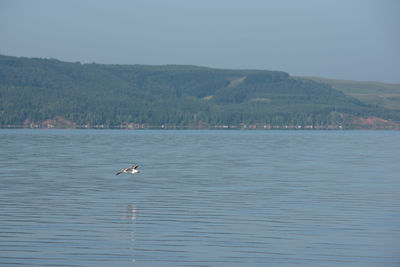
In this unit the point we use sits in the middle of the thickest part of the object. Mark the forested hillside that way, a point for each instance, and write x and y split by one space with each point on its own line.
46 90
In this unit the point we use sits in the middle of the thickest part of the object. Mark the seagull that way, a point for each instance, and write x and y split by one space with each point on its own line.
131 170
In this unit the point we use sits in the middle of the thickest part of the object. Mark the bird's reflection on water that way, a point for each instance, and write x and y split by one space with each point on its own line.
131 215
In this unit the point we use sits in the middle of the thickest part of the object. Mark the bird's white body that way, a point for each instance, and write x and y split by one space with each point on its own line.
131 170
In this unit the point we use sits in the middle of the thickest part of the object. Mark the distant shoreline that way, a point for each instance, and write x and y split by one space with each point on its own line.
230 128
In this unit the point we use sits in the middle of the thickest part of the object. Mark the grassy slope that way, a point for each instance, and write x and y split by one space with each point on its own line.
375 93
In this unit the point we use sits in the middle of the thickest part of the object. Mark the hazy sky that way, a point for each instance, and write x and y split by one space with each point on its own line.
344 39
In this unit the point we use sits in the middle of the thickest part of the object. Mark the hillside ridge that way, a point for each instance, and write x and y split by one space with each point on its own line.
50 93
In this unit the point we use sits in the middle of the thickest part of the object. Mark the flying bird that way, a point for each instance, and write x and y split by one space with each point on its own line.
131 170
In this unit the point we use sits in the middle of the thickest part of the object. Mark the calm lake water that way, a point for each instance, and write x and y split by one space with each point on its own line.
203 198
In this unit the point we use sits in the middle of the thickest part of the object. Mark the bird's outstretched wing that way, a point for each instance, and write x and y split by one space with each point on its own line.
135 167
121 171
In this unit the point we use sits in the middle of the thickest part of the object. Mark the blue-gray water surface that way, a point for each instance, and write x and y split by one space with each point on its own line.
203 198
